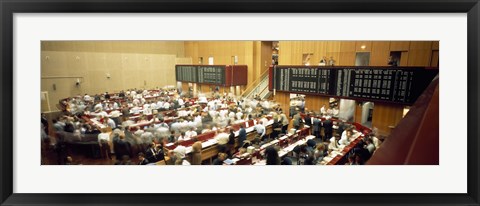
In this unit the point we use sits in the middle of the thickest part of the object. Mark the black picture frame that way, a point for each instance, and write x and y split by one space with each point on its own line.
10 7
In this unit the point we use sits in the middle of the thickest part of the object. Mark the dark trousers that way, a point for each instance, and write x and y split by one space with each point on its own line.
328 135
317 134
284 129
105 150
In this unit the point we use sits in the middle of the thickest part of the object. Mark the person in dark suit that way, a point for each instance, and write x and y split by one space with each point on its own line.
107 96
242 135
328 128
308 120
142 159
121 146
151 153
231 143
316 127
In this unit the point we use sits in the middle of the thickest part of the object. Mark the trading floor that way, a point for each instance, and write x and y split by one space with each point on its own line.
233 103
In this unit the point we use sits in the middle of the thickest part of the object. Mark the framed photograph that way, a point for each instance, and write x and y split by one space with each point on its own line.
243 103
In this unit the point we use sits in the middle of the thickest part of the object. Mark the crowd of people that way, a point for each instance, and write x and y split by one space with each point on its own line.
144 122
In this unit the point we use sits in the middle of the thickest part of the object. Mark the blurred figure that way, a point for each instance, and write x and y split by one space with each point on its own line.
142 159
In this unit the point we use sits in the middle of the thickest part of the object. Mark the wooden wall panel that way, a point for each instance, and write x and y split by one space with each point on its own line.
155 47
435 58
314 103
399 46
346 59
320 51
379 58
184 60
367 44
420 45
404 59
435 45
347 46
333 46
419 57
380 53
357 117
386 115
127 70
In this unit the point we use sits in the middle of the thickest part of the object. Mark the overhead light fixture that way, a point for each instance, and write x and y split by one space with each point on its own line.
363 47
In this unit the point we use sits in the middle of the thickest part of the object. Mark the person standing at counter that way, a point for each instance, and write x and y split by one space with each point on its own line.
317 124
284 121
308 119
296 121
260 130
231 142
328 128
242 135
222 140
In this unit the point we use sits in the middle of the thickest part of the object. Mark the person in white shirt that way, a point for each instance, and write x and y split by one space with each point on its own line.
160 104
198 121
147 110
181 103
191 133
98 107
182 113
133 94
264 120
146 106
370 146
231 115
135 110
136 102
214 128
346 135
153 105
329 112
334 143
248 110
87 98
323 110
115 105
104 143
166 105
180 152
222 138
335 112
260 130
239 115
181 137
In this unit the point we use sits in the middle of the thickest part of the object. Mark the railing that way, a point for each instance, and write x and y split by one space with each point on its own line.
255 83
259 89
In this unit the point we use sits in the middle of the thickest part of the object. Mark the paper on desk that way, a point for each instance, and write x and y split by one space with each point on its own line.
327 159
